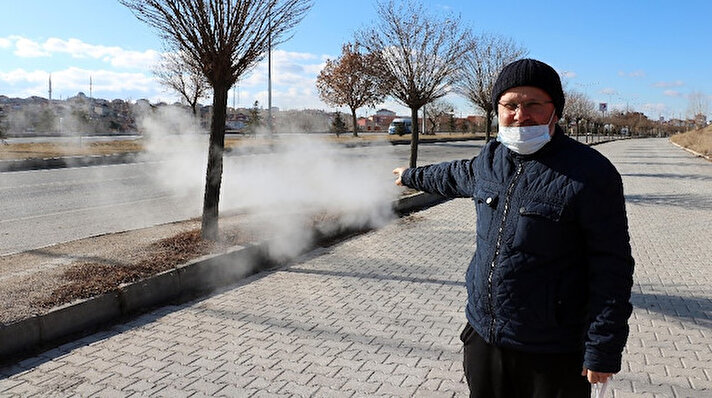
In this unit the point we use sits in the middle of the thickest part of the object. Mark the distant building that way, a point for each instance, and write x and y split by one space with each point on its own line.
101 110
382 119
476 120
80 98
367 124
385 112
700 120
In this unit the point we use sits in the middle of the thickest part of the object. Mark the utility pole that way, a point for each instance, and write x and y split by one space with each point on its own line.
269 73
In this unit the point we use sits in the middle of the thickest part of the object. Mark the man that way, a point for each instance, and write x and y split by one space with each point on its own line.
549 284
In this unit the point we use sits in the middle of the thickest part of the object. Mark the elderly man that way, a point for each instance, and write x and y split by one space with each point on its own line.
549 284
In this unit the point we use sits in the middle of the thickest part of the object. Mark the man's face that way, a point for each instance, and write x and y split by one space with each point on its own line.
526 106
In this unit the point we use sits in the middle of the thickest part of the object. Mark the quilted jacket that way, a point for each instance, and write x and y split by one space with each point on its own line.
552 270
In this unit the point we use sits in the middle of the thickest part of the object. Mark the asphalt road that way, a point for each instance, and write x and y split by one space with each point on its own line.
45 207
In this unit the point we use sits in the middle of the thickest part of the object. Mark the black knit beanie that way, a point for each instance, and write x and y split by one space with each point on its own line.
530 72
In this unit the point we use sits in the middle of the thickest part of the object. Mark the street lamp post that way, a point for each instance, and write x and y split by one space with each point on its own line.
269 74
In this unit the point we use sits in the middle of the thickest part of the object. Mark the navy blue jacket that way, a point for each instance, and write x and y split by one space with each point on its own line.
552 270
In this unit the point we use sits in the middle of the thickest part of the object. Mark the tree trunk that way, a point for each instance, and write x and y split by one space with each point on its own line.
414 137
353 120
194 104
213 175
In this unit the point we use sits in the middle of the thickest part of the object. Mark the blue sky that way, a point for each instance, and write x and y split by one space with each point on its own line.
646 56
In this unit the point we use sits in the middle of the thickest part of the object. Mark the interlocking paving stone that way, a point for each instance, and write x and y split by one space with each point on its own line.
380 314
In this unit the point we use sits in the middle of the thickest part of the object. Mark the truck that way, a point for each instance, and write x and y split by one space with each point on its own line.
402 123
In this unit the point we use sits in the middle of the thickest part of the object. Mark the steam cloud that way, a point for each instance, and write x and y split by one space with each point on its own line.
301 178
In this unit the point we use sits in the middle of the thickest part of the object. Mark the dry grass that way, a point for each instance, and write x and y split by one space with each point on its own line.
699 141
17 151
42 150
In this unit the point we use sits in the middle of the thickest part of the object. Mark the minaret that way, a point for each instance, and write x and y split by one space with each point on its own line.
50 87
90 86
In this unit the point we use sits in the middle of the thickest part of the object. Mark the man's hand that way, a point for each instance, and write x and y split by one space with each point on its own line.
398 171
595 377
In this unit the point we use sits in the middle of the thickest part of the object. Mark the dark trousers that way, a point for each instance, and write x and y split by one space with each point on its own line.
496 372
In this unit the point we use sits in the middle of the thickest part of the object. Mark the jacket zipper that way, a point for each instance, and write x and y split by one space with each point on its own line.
500 233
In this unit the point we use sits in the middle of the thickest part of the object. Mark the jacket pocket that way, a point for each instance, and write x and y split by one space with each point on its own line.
486 201
540 228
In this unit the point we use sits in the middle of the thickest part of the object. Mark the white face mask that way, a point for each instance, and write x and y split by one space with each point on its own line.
525 140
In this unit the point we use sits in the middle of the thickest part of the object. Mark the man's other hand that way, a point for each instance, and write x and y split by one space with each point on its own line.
595 377
398 171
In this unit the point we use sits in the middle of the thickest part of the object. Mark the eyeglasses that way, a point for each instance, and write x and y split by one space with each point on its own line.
530 107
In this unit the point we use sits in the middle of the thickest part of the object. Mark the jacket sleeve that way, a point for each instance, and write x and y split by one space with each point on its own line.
610 271
450 179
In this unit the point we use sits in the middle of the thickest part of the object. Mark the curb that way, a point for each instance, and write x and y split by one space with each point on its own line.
188 281
430 140
67 161
699 155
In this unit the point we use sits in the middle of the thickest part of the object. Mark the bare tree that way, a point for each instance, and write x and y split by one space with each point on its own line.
579 107
223 39
434 113
638 122
348 81
176 73
486 56
697 106
417 54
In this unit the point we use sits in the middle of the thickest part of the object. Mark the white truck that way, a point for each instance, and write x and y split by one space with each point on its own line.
401 121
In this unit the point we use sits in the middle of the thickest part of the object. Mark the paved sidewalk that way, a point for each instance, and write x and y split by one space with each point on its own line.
380 314
669 202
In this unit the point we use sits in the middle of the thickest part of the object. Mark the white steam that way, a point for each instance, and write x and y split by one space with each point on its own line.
308 177
300 179
176 149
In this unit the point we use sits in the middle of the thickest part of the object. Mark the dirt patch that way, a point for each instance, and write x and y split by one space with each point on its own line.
84 280
35 281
